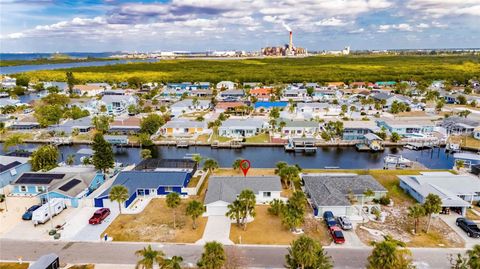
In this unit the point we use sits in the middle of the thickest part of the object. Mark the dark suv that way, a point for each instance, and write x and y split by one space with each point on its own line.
329 219
469 227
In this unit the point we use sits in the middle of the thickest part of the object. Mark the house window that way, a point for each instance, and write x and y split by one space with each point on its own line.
141 192
23 188
267 194
168 189
41 188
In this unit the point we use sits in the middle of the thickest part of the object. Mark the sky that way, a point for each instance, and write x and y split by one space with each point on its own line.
199 25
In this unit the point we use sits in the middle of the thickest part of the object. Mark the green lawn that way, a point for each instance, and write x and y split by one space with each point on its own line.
261 138
269 70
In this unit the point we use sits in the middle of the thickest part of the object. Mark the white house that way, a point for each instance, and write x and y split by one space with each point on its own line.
184 127
222 191
242 127
188 106
300 128
116 104
295 94
87 90
312 110
227 85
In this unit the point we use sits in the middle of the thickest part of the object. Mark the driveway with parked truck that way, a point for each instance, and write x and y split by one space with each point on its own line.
78 228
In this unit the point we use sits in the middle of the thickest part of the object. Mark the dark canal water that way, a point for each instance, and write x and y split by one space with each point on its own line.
266 157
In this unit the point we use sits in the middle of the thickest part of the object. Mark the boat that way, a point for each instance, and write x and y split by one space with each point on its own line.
396 161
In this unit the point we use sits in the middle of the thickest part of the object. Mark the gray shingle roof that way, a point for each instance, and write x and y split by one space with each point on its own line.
333 190
227 188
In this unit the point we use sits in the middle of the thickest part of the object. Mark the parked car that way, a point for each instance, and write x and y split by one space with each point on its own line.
28 214
99 216
329 219
337 235
468 226
344 222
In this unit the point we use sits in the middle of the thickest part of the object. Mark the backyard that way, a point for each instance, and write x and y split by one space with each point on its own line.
155 224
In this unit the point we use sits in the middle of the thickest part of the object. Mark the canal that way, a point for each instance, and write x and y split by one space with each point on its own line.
266 157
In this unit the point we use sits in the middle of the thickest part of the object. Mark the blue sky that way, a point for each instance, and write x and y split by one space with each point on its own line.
198 25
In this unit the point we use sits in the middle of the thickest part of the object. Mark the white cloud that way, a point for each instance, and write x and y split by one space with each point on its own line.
441 8
331 22
400 27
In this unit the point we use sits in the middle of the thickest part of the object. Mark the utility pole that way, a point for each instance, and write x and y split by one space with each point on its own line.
49 208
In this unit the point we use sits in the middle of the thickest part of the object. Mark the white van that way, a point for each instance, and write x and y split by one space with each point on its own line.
42 214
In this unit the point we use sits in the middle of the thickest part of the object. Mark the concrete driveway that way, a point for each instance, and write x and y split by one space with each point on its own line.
217 229
78 229
450 220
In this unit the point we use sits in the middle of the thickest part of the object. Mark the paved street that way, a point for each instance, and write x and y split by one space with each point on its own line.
256 256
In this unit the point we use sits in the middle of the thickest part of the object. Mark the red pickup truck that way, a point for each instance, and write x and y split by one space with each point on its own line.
99 216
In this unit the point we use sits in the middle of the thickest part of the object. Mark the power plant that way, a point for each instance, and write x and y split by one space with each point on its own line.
286 50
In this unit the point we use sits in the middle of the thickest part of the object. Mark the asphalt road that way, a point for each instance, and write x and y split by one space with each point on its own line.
254 256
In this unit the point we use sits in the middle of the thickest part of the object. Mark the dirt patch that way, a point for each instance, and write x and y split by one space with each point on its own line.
155 223
400 227
267 229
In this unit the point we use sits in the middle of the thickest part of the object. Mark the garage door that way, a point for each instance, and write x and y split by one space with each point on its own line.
217 210
337 211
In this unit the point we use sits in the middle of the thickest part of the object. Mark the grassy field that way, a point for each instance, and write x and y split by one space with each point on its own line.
260 138
150 225
13 265
271 70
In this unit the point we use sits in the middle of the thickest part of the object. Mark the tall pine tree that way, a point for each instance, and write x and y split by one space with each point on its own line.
103 154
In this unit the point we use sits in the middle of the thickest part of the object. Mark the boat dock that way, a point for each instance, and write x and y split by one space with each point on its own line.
305 145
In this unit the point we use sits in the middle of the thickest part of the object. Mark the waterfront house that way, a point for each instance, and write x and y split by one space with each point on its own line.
262 94
222 191
184 127
457 192
117 104
115 92
240 128
82 125
231 95
8 101
299 128
10 169
87 90
407 128
227 107
389 99
356 130
188 106
104 85
251 85
183 86
338 193
125 125
267 106
226 85
359 85
152 178
201 93
459 125
70 183
25 123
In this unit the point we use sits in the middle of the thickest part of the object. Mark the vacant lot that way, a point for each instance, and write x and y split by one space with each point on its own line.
267 229
155 223
269 70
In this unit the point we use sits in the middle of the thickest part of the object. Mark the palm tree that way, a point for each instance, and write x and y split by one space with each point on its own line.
247 200
14 140
70 159
290 175
119 194
416 211
173 201
474 257
149 257
432 205
235 211
213 256
194 209
210 165
279 166
197 158
386 255
175 262
236 164
145 154
305 252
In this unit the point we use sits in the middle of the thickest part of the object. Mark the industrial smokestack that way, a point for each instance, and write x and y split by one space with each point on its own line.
290 46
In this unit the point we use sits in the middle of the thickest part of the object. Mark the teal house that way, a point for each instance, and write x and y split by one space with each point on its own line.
10 169
70 183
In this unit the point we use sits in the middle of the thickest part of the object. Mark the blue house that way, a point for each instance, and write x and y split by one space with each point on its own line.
356 130
269 105
70 183
11 168
148 184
